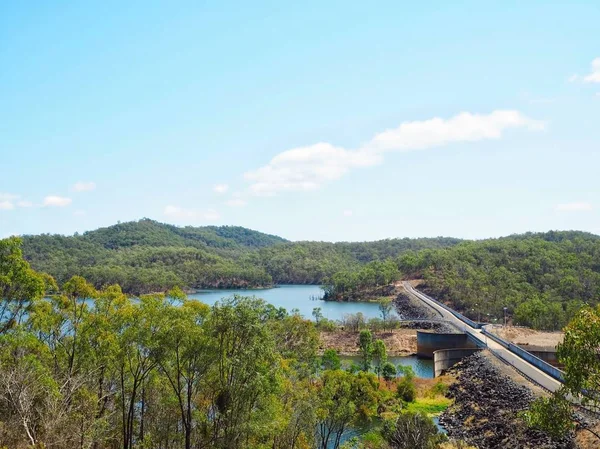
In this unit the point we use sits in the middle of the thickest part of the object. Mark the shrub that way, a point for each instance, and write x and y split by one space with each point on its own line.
406 389
388 371
412 431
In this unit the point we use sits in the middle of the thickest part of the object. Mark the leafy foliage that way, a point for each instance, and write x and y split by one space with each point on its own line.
411 431
94 368
553 415
579 355
147 256
540 278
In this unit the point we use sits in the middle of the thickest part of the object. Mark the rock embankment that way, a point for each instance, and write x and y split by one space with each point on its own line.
409 308
417 315
486 409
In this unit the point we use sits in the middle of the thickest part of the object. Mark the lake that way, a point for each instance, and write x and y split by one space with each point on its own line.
423 368
295 297
301 297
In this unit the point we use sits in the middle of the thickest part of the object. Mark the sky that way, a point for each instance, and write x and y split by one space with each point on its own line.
310 120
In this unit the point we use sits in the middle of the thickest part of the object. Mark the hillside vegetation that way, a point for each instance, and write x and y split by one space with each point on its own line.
542 279
147 256
87 368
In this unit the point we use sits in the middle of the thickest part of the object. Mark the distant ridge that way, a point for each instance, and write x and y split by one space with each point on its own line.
147 255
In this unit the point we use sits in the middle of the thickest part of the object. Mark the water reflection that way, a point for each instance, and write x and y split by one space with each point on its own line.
295 297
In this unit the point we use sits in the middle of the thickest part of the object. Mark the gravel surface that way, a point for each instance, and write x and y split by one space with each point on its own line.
486 409
410 308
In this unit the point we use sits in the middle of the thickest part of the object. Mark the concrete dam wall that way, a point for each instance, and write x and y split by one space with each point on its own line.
429 342
447 358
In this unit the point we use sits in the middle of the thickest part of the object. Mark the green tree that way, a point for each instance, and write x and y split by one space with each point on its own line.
343 398
405 388
137 326
365 343
184 356
317 314
388 371
379 356
247 369
20 286
330 360
385 310
579 354
553 415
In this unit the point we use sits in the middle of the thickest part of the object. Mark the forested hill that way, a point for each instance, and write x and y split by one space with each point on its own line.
541 278
146 256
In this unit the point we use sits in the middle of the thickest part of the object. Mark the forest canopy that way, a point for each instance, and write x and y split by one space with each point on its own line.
146 256
541 279
87 368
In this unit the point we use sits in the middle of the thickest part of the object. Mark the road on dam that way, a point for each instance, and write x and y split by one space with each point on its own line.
520 364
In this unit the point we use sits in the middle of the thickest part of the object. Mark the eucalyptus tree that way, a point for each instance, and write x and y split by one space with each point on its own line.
137 325
379 356
385 310
20 286
184 356
365 342
246 374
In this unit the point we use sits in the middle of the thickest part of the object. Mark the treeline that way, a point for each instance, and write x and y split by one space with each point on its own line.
367 282
88 368
147 256
541 279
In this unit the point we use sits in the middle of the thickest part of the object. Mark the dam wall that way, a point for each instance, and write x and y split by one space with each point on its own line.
429 342
447 358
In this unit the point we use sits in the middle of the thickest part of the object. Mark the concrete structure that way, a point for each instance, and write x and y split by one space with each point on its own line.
447 358
429 342
530 366
548 356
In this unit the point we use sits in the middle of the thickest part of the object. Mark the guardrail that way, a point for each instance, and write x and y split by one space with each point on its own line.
460 316
494 337
544 366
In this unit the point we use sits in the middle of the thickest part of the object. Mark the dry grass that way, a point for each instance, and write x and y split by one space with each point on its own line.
400 342
529 337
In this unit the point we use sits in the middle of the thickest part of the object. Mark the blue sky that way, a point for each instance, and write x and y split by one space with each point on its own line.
315 120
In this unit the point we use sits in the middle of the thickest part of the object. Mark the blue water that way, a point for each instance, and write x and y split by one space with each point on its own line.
295 297
301 297
422 367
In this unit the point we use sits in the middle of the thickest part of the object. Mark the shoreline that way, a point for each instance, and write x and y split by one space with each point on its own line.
399 342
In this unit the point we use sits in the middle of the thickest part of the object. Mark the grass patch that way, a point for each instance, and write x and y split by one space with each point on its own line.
429 406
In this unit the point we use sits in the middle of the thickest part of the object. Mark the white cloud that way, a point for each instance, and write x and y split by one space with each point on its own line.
84 186
347 213
236 202
9 201
594 76
464 127
573 78
573 207
221 188
308 168
56 201
182 214
6 205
